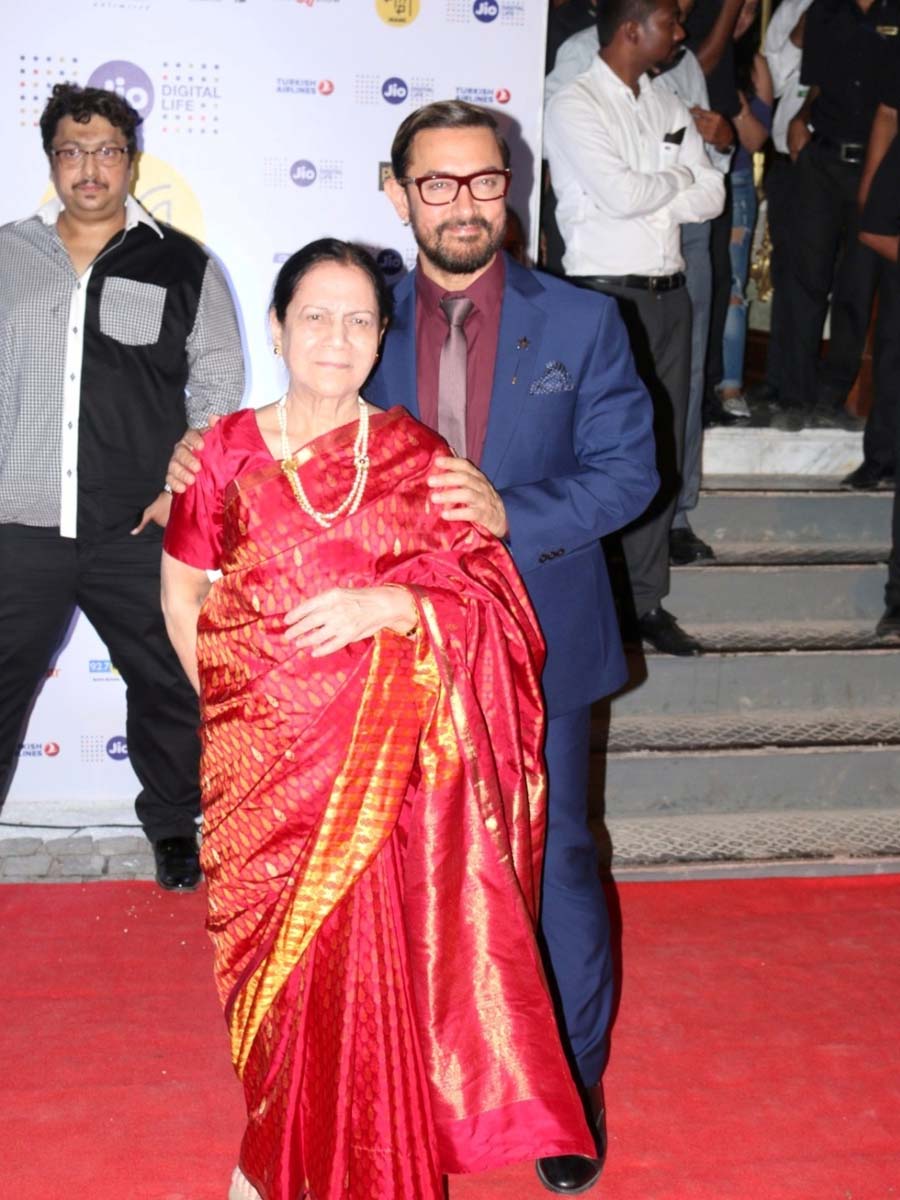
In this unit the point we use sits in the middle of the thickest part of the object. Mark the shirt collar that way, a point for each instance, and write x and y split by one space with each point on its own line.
609 81
486 291
135 214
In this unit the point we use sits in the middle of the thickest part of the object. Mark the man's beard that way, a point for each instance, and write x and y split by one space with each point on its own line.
460 260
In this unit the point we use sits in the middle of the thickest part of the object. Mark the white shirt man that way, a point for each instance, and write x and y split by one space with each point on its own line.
628 171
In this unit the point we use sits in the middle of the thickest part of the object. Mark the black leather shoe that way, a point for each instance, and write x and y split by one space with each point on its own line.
789 419
177 864
889 625
868 475
835 418
572 1174
685 547
663 632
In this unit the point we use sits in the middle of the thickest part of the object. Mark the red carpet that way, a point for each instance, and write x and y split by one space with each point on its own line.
756 1053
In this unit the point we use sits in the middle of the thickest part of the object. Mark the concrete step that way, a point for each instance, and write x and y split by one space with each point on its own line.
745 451
764 525
778 634
740 685
714 782
842 834
742 595
758 728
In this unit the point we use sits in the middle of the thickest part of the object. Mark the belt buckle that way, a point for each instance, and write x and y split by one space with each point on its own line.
851 152
654 282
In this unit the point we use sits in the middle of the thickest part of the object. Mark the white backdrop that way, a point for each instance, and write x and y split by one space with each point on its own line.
267 123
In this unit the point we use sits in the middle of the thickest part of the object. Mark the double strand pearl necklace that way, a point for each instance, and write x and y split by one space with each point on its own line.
360 461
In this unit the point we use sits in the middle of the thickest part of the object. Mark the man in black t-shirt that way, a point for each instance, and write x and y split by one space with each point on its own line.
880 231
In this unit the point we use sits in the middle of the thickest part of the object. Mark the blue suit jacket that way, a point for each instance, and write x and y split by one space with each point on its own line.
569 447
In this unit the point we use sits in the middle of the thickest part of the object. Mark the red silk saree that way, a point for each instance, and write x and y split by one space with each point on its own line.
373 825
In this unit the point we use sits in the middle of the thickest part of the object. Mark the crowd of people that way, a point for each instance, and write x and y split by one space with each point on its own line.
393 672
816 94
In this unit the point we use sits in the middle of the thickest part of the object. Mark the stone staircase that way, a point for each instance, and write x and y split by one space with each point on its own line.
783 740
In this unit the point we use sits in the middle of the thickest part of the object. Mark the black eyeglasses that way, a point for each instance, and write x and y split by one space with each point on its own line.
443 189
71 156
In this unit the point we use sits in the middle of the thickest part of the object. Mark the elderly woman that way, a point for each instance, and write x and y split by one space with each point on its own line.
372 781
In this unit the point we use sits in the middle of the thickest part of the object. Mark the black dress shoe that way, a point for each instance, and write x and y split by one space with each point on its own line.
685 547
572 1174
177 864
835 418
663 632
787 418
889 625
867 476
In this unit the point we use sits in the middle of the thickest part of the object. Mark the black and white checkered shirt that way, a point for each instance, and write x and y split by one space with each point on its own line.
100 374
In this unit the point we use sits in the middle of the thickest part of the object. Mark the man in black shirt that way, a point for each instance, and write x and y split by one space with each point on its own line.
116 332
846 55
880 231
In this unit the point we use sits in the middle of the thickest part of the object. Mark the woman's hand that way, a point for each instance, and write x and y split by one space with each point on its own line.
333 619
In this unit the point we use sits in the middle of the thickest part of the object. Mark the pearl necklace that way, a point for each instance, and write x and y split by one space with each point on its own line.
360 461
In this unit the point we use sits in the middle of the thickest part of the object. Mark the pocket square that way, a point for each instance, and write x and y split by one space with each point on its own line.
554 379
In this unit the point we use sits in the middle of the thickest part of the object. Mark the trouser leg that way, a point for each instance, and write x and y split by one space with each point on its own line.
698 271
574 916
659 328
855 280
118 591
816 236
743 223
879 439
37 601
720 257
887 382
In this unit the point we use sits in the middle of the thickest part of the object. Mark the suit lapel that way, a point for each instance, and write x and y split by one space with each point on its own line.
398 366
521 331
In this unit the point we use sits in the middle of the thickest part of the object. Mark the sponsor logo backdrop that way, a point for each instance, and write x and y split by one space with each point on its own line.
266 123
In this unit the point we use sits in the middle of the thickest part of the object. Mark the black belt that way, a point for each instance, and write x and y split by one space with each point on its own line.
848 152
647 283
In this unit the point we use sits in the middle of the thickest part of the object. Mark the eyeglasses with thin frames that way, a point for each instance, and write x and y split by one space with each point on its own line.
443 189
72 156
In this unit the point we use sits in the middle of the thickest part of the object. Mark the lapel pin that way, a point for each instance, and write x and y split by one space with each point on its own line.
522 344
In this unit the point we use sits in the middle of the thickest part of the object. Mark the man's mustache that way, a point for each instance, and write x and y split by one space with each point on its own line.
479 221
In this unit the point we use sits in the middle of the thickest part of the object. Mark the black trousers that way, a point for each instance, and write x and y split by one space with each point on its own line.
880 437
659 331
43 577
828 258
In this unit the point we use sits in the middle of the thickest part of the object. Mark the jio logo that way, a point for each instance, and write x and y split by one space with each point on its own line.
117 748
394 90
390 262
486 10
128 80
303 172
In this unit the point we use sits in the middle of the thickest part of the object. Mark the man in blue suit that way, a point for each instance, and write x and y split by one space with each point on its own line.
560 451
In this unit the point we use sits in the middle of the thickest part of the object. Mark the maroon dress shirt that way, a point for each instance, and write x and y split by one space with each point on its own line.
482 330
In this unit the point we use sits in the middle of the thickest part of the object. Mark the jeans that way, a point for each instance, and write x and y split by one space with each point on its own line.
743 222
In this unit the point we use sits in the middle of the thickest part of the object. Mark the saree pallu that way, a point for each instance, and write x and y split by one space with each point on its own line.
373 825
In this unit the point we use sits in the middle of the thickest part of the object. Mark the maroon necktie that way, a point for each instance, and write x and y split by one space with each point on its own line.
452 374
